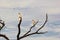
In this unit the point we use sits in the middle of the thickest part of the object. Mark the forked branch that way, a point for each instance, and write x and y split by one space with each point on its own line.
28 32
4 36
37 31
30 28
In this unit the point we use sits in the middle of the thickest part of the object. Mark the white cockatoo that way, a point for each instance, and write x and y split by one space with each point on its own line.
19 16
33 22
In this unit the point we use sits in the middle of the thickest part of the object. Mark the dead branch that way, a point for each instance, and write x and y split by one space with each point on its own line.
32 34
30 29
4 36
44 23
26 34
19 30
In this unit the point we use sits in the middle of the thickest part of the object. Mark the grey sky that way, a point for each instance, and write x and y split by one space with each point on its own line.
31 9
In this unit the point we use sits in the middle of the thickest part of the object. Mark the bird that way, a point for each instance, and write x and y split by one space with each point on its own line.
19 16
33 22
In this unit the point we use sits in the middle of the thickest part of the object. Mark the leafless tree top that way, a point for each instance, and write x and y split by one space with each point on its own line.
28 32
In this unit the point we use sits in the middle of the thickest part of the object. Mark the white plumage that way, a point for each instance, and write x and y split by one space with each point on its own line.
33 22
19 16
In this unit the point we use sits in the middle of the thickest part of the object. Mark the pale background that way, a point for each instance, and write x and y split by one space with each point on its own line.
31 9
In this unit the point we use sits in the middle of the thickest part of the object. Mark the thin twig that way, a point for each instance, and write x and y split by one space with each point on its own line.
30 28
43 24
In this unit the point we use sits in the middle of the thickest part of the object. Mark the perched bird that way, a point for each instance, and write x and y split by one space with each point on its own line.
19 16
33 22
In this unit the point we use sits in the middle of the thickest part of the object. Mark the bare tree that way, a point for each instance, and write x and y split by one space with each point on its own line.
28 32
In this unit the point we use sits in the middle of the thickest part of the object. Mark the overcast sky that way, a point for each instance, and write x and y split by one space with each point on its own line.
50 6
31 9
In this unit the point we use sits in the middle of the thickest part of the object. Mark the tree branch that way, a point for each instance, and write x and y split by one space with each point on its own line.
4 36
19 30
26 34
44 23
31 34
30 28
